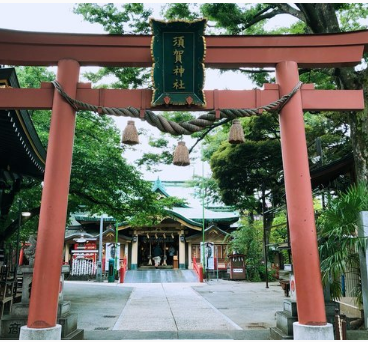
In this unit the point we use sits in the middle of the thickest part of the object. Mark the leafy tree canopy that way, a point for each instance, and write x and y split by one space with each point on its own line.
101 179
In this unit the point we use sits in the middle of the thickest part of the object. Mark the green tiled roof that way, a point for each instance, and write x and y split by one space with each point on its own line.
195 215
159 187
191 215
92 218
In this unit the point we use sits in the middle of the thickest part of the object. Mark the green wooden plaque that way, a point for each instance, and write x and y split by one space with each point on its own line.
178 51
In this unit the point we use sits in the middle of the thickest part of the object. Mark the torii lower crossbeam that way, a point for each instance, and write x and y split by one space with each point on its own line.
312 100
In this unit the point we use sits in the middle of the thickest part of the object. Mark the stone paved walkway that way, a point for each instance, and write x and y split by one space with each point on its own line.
170 307
174 310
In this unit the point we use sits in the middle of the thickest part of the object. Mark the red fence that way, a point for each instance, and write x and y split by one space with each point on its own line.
199 270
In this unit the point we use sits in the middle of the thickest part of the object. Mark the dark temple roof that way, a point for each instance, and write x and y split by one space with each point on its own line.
324 175
21 151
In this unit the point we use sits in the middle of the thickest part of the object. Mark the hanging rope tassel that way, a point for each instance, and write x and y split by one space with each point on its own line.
181 155
236 134
130 134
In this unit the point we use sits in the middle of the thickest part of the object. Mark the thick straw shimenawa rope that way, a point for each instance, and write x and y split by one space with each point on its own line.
182 128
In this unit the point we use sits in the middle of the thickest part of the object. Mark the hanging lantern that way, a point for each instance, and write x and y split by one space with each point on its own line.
130 134
236 134
181 155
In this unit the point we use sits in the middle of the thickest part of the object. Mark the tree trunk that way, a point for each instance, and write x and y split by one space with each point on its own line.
321 18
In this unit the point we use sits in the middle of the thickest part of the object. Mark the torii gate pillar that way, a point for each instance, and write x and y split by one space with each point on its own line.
43 306
303 238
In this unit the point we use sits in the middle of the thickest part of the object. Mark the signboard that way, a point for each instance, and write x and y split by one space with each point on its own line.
238 270
292 287
110 253
87 250
209 255
86 245
178 50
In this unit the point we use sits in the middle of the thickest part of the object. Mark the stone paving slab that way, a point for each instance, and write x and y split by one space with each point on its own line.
220 309
98 305
170 307
250 305
178 335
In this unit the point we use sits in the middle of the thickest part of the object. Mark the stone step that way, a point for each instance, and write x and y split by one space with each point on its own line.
277 334
284 322
69 324
75 335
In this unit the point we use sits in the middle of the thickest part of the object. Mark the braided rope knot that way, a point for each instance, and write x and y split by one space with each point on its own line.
183 128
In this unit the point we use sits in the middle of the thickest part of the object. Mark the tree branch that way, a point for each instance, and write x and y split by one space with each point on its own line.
89 198
205 133
287 9
253 71
259 18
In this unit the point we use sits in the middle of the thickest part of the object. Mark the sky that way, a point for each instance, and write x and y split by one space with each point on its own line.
59 17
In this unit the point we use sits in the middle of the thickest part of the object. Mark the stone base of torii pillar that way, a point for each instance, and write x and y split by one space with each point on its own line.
14 325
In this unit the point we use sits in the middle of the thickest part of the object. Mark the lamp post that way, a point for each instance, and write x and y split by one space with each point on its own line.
116 251
203 223
99 262
18 236
265 233
20 215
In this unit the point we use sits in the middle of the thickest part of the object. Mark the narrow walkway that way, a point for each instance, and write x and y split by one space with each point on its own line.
170 307
160 276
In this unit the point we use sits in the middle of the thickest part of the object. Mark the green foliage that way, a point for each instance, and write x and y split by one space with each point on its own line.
279 233
234 18
241 170
155 212
333 134
31 77
159 143
205 188
101 180
248 240
100 176
164 145
352 15
131 18
337 231
151 160
180 11
124 78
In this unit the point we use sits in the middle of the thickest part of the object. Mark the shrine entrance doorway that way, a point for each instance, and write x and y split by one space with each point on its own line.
167 244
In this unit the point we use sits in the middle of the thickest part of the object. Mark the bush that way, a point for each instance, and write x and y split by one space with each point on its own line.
258 273
338 241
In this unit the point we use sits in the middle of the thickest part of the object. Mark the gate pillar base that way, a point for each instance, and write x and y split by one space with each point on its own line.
53 333
313 332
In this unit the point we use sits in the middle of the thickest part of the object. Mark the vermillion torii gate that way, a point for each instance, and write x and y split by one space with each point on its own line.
285 53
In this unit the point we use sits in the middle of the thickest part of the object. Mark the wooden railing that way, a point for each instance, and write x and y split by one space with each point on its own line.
199 270
9 290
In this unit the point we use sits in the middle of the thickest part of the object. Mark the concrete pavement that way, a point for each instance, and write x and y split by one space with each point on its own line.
213 310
